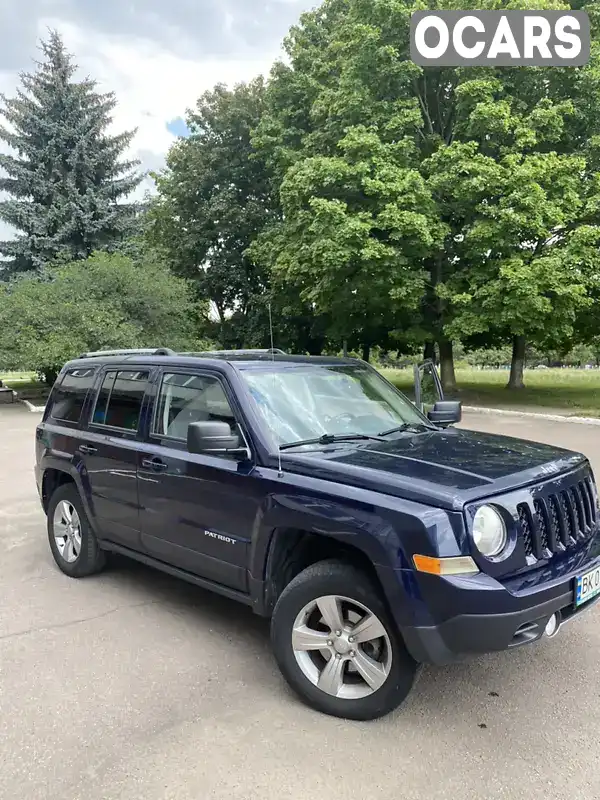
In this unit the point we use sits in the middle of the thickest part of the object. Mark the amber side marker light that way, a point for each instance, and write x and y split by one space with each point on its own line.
459 565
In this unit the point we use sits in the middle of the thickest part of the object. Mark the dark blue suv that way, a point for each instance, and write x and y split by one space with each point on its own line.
375 537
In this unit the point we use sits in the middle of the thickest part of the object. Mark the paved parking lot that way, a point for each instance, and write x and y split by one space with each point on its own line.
133 685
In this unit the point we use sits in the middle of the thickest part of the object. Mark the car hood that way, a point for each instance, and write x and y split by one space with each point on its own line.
445 468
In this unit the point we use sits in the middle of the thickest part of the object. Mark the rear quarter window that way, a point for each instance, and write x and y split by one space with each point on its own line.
68 396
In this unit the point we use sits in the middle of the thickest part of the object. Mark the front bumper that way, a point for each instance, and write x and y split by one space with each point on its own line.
493 616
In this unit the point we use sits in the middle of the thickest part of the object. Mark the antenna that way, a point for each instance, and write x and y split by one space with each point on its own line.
280 470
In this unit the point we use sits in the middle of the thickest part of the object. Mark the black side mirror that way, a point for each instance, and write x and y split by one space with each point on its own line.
211 437
446 412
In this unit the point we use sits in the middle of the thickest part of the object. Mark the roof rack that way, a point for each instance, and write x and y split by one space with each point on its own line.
271 351
151 351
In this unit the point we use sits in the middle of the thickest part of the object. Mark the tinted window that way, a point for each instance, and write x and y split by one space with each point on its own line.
190 398
102 399
68 398
120 398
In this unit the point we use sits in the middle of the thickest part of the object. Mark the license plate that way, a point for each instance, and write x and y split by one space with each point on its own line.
587 586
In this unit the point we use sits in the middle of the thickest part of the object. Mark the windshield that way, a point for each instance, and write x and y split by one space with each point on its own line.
305 402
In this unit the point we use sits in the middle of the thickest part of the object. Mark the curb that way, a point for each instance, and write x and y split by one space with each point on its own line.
31 407
532 415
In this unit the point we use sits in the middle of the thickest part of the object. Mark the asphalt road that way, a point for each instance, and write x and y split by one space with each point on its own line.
133 685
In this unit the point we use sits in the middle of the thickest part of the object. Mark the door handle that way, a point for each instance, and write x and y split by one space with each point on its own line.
154 464
88 449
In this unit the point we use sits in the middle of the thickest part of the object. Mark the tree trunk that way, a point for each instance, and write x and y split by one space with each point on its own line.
316 346
50 375
345 348
366 352
447 365
429 352
517 364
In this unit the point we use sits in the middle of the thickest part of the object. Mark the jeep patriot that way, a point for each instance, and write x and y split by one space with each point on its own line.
375 537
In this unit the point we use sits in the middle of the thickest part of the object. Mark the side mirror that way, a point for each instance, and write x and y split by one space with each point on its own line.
446 412
211 437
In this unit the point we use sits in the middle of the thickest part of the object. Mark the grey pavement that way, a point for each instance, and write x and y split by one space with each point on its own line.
133 685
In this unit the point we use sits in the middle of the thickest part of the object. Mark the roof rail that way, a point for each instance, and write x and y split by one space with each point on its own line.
271 351
150 351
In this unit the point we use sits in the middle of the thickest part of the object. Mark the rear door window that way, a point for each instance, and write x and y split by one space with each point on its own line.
68 397
119 401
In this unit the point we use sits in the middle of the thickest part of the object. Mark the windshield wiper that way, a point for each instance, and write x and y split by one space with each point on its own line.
417 427
331 438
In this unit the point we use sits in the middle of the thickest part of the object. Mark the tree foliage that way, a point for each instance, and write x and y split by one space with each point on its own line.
213 200
109 302
66 177
462 199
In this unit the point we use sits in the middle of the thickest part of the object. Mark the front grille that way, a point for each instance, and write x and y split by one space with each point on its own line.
558 521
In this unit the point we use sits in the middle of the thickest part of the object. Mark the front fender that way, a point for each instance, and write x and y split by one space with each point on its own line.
386 531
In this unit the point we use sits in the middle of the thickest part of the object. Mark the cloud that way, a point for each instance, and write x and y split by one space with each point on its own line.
197 29
158 57
153 85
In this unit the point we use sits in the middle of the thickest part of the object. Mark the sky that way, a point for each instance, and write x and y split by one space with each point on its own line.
158 56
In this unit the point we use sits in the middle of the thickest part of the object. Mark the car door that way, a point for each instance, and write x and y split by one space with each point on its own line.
109 448
197 511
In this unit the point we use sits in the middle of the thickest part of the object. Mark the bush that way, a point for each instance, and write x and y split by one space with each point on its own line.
106 301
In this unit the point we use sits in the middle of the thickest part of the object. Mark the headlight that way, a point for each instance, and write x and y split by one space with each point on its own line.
489 531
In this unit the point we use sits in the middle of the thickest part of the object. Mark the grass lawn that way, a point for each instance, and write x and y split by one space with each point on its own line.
27 386
574 392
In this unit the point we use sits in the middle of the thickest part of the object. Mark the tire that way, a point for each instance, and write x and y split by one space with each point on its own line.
395 671
85 558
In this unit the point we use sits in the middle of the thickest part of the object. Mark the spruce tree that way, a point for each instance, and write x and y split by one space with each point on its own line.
66 179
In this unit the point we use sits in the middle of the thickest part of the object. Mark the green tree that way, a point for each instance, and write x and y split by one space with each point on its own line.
110 301
213 199
357 218
353 225
404 189
65 178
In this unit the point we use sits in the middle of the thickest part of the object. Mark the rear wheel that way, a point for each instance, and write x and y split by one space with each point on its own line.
72 540
336 645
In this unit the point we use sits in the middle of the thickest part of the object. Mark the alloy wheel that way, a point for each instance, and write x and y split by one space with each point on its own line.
342 647
66 527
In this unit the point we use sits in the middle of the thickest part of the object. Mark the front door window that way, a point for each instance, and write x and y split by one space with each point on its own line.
184 399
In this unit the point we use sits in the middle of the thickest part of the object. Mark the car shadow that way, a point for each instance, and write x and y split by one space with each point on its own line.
203 607
475 688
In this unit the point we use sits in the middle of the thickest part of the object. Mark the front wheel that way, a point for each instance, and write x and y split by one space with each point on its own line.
336 645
